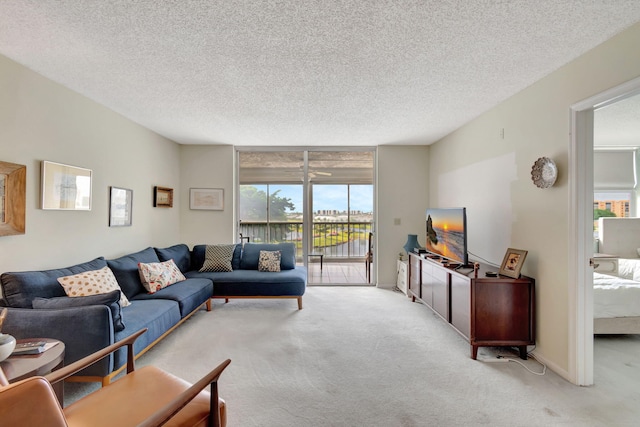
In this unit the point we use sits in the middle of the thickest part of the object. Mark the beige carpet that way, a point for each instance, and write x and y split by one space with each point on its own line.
363 356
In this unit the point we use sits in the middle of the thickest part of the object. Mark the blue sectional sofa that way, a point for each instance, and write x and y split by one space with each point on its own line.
86 329
245 281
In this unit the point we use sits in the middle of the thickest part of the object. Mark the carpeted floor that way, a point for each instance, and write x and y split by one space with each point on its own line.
364 356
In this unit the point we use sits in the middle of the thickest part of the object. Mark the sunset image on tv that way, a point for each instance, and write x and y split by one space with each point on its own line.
446 233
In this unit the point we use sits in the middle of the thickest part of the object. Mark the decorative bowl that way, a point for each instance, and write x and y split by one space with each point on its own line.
544 172
7 344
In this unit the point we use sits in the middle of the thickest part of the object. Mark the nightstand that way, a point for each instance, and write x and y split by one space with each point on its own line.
605 264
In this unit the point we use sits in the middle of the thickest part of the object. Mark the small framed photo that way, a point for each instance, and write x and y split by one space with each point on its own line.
162 197
120 207
211 199
512 263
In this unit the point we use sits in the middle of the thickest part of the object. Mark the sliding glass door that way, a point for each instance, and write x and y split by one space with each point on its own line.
320 200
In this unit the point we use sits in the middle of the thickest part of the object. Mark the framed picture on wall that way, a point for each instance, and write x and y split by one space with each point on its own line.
211 199
13 198
512 263
162 197
65 187
120 207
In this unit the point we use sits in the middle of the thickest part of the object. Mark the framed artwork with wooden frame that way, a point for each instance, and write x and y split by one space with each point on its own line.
211 199
512 263
13 189
65 187
120 207
162 197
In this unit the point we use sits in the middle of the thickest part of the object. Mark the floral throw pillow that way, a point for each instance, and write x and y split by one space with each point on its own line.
158 275
269 261
92 283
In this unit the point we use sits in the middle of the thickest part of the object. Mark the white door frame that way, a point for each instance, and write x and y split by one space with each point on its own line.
581 229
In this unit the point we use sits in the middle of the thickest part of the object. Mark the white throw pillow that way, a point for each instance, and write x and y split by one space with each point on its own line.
92 282
158 275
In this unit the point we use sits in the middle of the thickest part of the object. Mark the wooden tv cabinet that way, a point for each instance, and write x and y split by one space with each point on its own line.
486 311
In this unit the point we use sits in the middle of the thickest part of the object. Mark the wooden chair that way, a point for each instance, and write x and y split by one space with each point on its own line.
368 260
145 397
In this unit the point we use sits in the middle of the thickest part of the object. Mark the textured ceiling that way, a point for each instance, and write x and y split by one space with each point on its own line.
299 73
618 125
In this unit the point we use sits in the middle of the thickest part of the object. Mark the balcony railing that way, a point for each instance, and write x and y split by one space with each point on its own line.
340 240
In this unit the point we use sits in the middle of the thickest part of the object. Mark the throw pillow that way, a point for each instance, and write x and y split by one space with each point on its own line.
92 283
218 258
158 275
110 299
269 261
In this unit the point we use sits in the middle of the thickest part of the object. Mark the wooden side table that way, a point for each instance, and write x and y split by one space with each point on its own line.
17 368
606 264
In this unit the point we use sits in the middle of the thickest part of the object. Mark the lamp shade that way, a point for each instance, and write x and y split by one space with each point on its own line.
412 242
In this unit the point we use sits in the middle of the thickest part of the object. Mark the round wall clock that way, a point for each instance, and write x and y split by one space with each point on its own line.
544 172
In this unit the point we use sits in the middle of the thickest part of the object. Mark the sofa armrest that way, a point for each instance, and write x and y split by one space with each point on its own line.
83 330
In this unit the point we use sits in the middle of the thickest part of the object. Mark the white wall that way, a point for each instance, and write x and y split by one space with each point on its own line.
506 209
207 167
41 120
402 194
402 187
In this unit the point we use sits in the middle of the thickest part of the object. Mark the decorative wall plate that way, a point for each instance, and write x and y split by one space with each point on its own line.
544 172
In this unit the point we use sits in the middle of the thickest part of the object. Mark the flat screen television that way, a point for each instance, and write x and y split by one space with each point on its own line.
447 234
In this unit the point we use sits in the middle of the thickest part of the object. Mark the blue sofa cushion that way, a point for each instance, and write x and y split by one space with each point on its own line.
180 254
110 299
251 255
158 315
189 294
19 289
257 283
198 255
125 269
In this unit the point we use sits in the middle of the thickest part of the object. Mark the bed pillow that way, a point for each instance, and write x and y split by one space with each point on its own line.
218 258
629 269
110 299
158 275
269 261
92 283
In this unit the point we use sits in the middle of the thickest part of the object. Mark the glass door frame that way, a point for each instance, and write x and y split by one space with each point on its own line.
307 215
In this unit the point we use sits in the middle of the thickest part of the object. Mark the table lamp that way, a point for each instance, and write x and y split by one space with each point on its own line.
412 242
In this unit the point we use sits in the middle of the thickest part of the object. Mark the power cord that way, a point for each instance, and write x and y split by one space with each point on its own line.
482 259
513 359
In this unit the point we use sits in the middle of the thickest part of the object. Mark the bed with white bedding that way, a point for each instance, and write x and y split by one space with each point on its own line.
616 300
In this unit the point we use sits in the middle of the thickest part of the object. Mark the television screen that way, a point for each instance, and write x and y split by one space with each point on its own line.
447 233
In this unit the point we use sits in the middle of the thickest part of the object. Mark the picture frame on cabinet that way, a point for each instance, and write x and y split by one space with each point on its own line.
512 263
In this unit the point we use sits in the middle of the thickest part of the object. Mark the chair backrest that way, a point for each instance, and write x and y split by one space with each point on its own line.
371 243
30 402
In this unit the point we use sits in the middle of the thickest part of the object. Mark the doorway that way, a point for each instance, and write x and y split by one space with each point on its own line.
581 237
321 200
